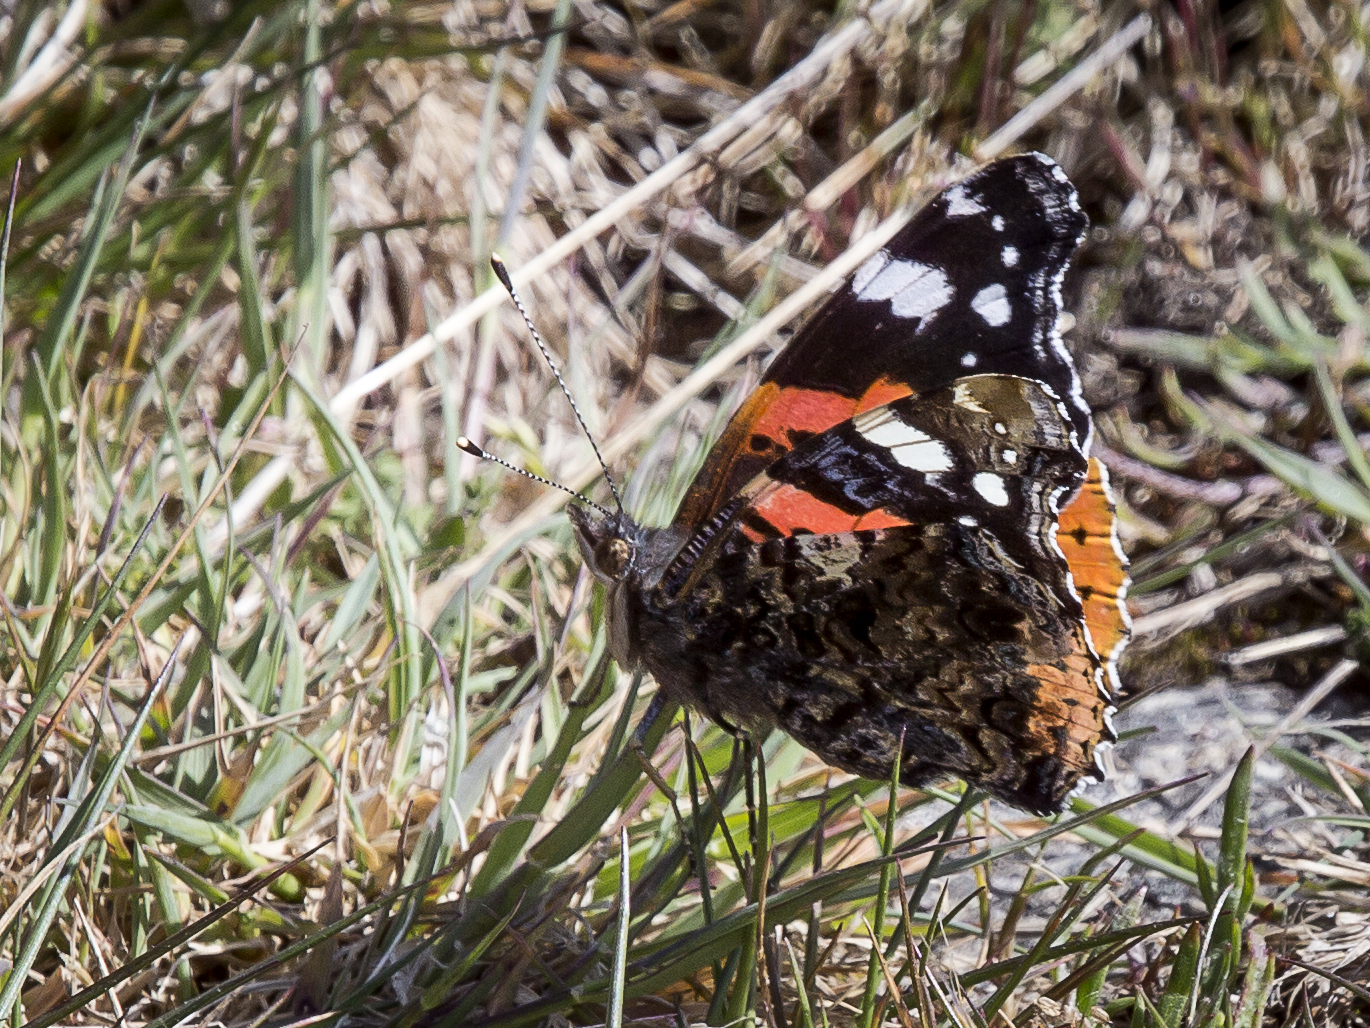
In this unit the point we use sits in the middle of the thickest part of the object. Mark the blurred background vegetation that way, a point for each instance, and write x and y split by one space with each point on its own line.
305 717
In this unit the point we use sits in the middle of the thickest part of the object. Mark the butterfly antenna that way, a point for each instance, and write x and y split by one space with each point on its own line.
466 446
502 273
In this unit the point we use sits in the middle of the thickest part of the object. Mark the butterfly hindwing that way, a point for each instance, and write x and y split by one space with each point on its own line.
898 576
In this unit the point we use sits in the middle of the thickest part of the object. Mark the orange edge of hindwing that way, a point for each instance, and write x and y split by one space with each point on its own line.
1089 542
1068 701
1069 698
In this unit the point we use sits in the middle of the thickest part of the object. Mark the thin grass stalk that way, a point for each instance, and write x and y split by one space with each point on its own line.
309 209
454 819
1233 876
50 344
694 766
763 855
51 545
166 904
535 117
731 781
1184 978
805 1007
1260 978
916 964
951 821
4 268
891 984
742 997
693 763
614 747
811 937
495 873
396 545
481 366
723 989
1353 581
1346 435
625 898
453 977
875 969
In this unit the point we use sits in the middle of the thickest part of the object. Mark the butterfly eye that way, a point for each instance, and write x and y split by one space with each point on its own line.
612 556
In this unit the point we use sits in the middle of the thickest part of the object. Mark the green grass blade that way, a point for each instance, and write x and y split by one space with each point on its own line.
625 896
875 970
1172 1006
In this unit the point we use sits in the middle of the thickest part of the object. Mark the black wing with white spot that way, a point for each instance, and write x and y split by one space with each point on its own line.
972 285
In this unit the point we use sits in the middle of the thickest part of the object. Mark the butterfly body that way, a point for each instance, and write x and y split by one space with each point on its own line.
900 545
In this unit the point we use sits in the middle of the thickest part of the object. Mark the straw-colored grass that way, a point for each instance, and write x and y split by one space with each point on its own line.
307 717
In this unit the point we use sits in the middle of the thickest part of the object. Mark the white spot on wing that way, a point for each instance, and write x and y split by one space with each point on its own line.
914 290
991 303
968 521
964 396
870 267
969 360
1010 456
915 450
991 487
1010 256
959 205
998 223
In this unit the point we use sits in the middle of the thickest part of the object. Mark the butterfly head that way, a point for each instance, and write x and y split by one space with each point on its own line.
610 545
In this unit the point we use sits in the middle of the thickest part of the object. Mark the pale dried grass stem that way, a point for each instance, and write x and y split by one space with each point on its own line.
1067 86
1290 722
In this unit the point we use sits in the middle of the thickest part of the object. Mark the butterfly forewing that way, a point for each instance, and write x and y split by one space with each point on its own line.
972 284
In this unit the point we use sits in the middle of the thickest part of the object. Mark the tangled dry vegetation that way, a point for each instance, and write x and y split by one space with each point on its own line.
329 734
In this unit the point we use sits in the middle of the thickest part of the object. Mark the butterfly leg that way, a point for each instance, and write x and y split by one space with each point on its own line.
654 709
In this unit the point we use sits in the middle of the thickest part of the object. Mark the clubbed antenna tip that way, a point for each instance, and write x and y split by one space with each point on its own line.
467 446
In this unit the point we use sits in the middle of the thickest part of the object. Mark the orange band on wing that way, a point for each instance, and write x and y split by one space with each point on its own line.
794 411
766 428
789 510
1086 537
883 391
879 519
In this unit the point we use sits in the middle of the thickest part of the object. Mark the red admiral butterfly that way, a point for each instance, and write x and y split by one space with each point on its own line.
900 535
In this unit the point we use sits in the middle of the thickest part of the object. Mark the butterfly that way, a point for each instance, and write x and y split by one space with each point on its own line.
900 546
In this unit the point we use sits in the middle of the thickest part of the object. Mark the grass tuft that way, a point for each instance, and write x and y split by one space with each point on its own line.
307 718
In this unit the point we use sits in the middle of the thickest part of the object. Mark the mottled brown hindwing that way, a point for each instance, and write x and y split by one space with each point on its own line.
951 624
